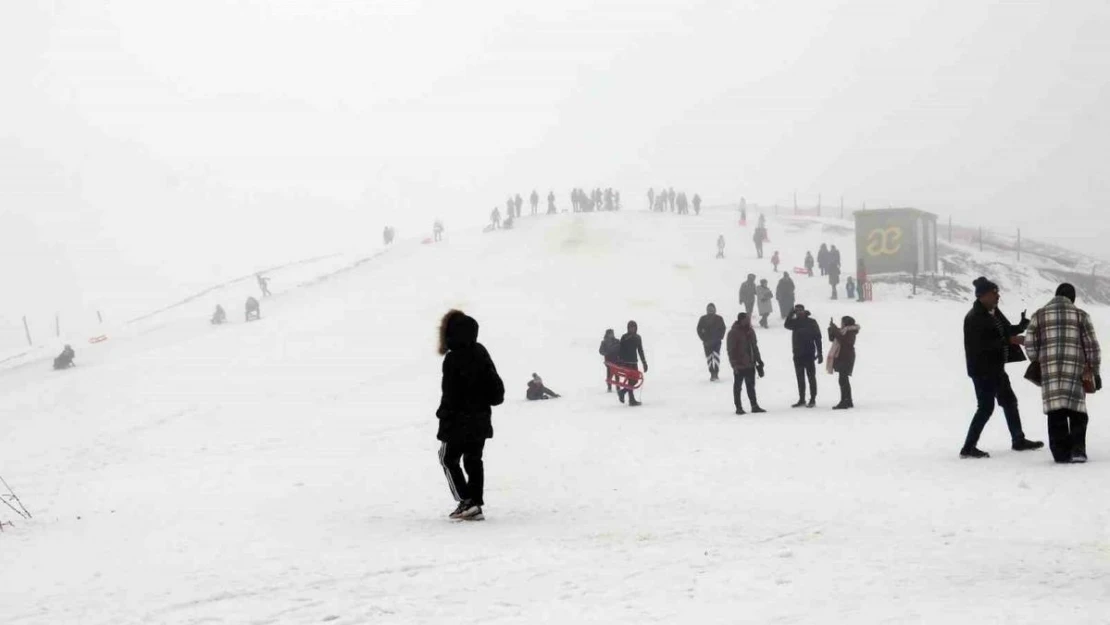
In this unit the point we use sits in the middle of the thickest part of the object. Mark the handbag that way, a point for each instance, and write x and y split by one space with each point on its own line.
1033 371
1089 385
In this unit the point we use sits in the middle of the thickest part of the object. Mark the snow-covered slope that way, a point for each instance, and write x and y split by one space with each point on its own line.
285 471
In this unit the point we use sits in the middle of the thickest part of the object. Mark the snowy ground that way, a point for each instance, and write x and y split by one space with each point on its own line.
286 472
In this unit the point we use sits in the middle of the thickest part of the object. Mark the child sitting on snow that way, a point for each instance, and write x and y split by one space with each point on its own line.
536 389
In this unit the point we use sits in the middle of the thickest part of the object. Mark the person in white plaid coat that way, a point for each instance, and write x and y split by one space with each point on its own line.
1062 339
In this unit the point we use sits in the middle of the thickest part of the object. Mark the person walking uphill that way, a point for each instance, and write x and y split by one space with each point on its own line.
1061 340
711 331
471 387
764 296
806 341
842 357
743 355
632 346
748 293
990 341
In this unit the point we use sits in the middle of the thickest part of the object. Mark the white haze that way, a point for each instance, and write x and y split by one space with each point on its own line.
151 148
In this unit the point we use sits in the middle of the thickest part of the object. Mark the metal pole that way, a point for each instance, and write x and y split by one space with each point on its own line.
795 202
57 325
99 317
27 329
842 207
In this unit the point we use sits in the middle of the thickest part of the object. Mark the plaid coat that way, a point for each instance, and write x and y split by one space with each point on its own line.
1062 338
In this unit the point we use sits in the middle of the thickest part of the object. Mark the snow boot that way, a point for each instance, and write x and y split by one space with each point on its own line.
844 405
471 512
632 403
812 402
757 410
801 404
973 453
1079 456
740 411
1026 445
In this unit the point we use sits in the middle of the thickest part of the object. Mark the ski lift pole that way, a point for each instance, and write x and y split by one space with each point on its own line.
14 497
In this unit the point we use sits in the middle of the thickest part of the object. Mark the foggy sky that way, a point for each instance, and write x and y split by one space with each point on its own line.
149 147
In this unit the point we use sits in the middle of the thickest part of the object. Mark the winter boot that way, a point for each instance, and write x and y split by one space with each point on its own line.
973 453
1026 445
740 410
801 404
812 402
757 410
633 402
843 405
620 394
1079 456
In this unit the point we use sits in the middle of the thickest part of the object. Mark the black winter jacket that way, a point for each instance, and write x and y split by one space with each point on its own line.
806 337
610 349
631 347
470 383
711 328
985 348
785 290
747 293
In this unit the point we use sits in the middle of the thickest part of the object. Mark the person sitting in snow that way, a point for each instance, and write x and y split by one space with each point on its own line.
220 316
253 311
65 359
536 390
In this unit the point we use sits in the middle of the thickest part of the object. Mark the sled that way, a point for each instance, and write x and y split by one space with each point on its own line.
626 378
743 223
99 339
801 271
426 241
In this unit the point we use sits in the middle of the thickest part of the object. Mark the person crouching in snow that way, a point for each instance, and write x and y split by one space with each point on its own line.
471 387
536 390
842 357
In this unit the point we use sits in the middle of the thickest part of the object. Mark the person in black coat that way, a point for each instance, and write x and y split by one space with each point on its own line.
711 331
991 341
806 340
471 386
537 390
610 351
632 346
784 293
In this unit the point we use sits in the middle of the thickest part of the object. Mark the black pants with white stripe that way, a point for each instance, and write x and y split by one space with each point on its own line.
472 485
713 356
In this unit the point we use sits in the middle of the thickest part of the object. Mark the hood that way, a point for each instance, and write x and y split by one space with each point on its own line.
456 331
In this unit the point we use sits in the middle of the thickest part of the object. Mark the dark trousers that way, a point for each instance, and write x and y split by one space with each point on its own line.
759 250
609 377
713 356
620 391
806 369
472 485
845 388
763 320
1067 433
988 391
749 307
740 377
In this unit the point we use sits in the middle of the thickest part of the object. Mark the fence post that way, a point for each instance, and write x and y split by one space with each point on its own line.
27 328
795 203
99 317
842 207
57 325
1019 245
818 204
980 238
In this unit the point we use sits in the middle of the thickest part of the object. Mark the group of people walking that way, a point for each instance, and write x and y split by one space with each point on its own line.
664 199
746 360
1065 359
596 200
759 297
623 355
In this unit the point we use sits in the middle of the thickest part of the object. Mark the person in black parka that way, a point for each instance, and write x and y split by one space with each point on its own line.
471 386
806 341
711 331
784 293
610 351
990 341
632 346
64 360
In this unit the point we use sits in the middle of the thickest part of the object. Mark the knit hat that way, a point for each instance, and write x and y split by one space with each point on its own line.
741 316
984 286
1066 290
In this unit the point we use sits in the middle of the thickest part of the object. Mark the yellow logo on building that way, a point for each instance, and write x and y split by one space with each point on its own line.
884 242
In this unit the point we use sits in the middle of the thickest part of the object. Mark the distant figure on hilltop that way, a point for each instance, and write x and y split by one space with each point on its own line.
823 259
437 231
64 360
651 199
534 200
671 197
264 285
253 311
219 317
518 202
551 203
495 218
387 235
721 246
697 204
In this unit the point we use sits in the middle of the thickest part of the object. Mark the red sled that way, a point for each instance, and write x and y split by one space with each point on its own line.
99 339
801 271
743 223
626 378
